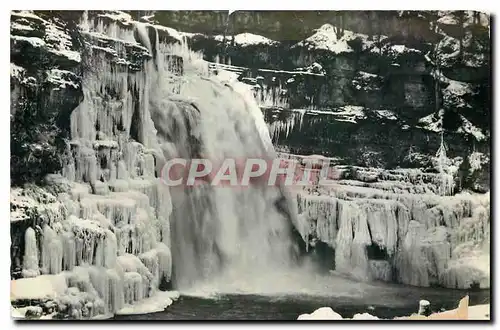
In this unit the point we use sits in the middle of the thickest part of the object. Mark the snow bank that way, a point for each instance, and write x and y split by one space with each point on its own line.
40 287
462 312
156 303
323 313
364 316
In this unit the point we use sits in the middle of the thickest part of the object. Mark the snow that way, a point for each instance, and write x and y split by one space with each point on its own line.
432 122
247 39
110 144
477 160
364 316
156 303
477 312
56 40
60 78
323 313
448 20
69 54
367 75
458 88
325 38
40 287
348 113
403 49
17 26
27 14
180 36
34 41
118 16
16 71
386 114
468 127
24 201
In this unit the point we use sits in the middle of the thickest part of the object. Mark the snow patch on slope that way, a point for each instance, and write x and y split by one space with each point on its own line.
326 38
247 39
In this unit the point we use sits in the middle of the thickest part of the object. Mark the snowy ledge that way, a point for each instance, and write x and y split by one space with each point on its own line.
156 303
54 286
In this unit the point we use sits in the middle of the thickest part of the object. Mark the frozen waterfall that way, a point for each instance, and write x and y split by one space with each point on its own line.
123 234
416 239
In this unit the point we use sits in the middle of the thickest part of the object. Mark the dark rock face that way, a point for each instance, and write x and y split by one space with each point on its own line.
45 88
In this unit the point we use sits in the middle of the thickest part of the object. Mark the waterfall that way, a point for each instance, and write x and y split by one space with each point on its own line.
116 233
218 229
123 233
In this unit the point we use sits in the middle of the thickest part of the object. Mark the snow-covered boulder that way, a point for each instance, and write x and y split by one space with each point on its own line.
364 316
323 313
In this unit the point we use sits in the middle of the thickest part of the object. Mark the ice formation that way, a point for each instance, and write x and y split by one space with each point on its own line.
30 261
120 229
411 238
108 242
284 127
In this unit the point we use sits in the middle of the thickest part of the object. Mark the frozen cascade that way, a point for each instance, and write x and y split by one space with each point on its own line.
52 251
30 261
420 240
122 227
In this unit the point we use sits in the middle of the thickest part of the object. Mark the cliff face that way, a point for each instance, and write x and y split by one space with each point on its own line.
97 234
45 88
430 70
419 76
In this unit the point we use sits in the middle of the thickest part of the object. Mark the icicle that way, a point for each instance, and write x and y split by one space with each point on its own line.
30 260
52 251
110 249
345 236
133 288
69 251
115 291
164 262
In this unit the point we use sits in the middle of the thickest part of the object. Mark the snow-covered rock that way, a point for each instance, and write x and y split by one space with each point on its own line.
247 39
323 313
330 38
364 316
40 287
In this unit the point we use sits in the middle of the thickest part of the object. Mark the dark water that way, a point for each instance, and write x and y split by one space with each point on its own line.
289 307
